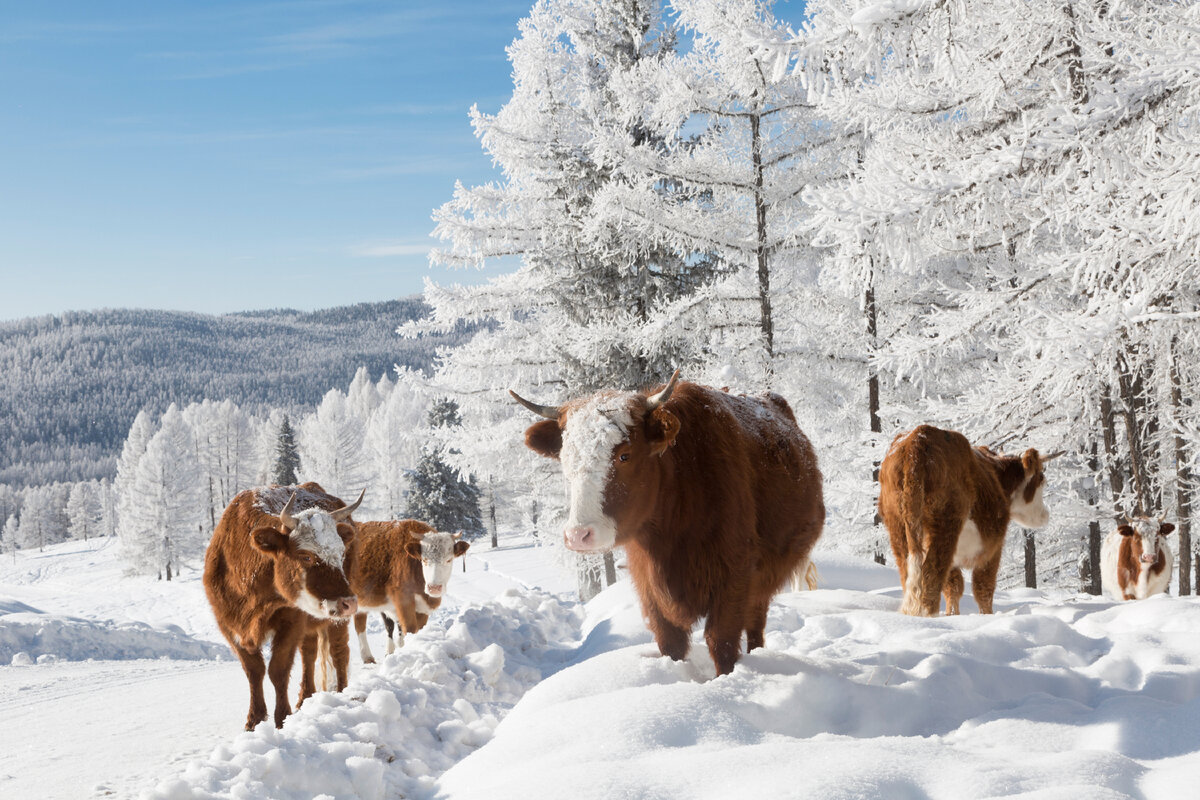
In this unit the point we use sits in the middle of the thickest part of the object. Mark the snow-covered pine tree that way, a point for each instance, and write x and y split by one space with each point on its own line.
85 510
439 495
164 524
395 434
8 535
43 519
332 448
140 431
286 463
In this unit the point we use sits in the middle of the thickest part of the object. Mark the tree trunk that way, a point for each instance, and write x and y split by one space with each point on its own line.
1133 402
492 514
1094 532
1116 478
760 241
610 569
1183 480
1030 560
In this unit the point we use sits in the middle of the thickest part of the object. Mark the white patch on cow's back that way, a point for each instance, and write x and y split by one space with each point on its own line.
316 532
592 432
970 545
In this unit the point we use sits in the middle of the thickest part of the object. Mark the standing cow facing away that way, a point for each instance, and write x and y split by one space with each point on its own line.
1136 560
946 506
402 570
715 497
275 570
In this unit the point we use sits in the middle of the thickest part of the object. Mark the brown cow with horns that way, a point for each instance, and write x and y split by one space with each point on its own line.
715 497
275 573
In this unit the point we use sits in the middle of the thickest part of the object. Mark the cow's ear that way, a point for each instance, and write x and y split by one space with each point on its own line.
544 438
1031 461
1165 528
1125 530
413 549
346 531
269 540
460 547
661 429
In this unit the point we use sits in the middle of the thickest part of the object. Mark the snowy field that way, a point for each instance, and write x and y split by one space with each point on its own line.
513 690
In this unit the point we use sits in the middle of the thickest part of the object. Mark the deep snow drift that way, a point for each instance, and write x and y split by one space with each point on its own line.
530 694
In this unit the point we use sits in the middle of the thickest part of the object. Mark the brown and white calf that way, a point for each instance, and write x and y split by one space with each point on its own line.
715 497
275 571
401 570
1136 560
946 506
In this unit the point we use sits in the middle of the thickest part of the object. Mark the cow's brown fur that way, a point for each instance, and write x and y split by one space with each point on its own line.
931 483
387 572
252 595
717 503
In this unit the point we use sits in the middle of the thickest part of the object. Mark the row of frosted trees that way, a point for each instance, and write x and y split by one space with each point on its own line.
978 214
178 471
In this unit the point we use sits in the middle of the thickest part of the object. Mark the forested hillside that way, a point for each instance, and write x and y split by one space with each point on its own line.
70 385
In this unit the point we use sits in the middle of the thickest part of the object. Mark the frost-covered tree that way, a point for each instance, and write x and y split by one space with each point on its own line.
165 520
439 495
140 432
395 434
8 535
226 449
332 450
43 519
85 509
286 465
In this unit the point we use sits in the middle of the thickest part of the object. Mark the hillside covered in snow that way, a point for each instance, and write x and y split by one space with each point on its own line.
513 685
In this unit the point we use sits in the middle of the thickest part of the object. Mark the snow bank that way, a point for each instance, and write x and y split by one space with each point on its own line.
27 634
394 730
850 699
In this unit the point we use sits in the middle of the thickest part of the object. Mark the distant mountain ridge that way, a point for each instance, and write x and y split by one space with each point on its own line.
71 384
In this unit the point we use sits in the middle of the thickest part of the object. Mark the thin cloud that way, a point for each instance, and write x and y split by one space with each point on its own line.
388 249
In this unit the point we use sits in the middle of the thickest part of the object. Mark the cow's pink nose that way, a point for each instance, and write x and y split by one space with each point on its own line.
580 537
1148 558
347 606
435 588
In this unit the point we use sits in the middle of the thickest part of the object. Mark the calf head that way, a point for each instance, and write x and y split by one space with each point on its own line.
1027 505
311 558
609 445
436 552
1146 538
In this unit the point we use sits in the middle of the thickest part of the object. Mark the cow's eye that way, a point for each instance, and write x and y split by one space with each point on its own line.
624 456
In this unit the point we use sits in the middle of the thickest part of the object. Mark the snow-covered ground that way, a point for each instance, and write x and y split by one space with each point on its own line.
513 690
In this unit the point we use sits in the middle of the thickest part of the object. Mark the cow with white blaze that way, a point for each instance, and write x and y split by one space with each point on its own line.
946 506
402 570
275 571
715 497
1136 560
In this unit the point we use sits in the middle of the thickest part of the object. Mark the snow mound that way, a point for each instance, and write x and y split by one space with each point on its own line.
394 730
41 636
850 699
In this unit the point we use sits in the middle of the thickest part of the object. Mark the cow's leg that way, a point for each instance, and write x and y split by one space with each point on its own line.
255 669
283 654
723 633
309 648
390 627
339 652
672 639
406 615
756 622
983 582
364 649
940 542
953 590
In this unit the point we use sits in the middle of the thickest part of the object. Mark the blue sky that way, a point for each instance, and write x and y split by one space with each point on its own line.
224 156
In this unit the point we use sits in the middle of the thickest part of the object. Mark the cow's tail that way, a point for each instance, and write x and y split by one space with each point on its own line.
912 504
805 576
324 660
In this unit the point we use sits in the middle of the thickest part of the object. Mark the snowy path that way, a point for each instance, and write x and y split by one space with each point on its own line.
97 729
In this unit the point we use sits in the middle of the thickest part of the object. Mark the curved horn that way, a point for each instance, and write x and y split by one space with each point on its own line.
456 535
285 516
654 401
1053 456
341 514
549 412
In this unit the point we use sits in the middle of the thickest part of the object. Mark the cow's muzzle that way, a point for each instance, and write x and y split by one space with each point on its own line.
346 607
581 538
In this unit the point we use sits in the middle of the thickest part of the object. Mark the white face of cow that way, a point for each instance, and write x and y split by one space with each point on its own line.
1032 512
1148 531
591 434
437 561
